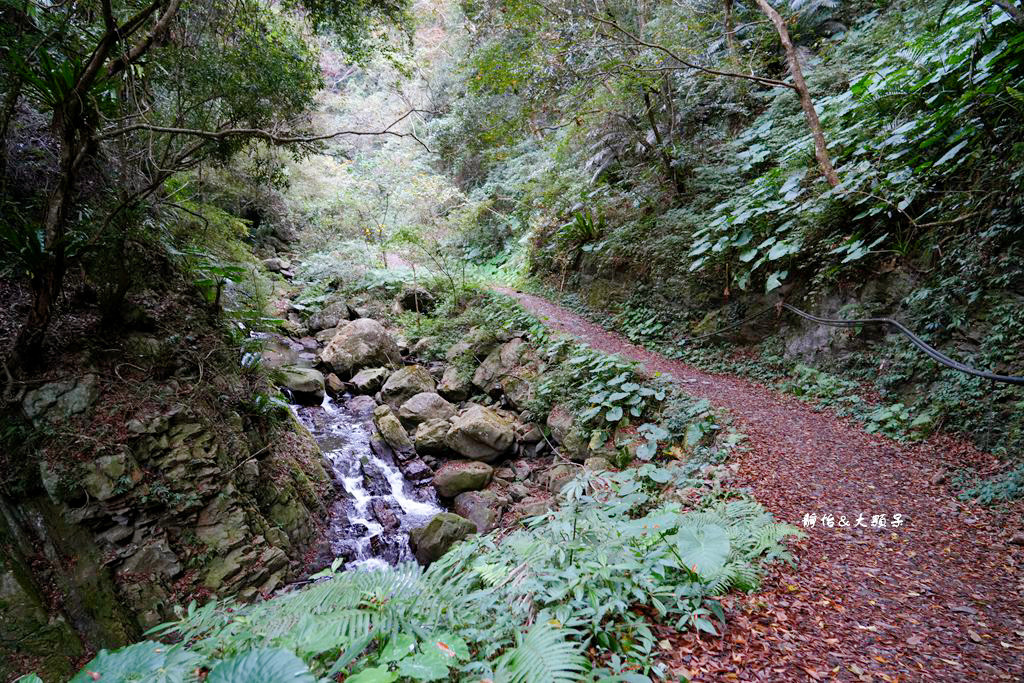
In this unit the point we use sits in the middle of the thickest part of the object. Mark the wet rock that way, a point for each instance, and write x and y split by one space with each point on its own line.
455 385
369 380
305 384
60 400
430 436
423 407
597 464
331 315
457 476
433 540
480 507
406 383
391 429
415 299
479 433
361 406
374 480
416 470
387 547
334 385
385 513
359 344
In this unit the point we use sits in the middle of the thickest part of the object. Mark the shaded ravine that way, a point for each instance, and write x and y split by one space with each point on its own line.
369 523
938 598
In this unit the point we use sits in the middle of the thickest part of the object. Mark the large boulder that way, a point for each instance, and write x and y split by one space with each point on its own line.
483 508
480 433
430 437
391 429
306 385
499 362
455 384
369 380
478 342
61 400
518 390
422 407
568 433
458 476
331 315
406 383
433 540
359 344
560 422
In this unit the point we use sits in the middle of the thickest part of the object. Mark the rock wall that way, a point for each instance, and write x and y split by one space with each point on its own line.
188 504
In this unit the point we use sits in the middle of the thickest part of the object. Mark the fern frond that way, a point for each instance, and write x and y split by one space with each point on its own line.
542 655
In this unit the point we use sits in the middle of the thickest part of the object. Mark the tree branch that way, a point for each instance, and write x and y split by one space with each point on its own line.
266 135
690 65
143 45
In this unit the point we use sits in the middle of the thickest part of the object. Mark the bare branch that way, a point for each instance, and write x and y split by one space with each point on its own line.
690 65
266 135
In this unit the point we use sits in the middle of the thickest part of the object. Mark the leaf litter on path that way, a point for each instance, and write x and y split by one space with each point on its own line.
938 598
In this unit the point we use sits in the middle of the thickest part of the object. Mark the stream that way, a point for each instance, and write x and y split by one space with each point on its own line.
369 523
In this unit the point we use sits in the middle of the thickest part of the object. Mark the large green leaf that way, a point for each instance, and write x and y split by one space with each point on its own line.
400 645
375 674
145 661
704 549
425 666
269 665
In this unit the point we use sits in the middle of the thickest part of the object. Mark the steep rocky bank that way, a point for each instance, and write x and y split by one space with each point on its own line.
153 471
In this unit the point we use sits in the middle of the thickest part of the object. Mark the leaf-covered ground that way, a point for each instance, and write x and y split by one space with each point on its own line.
937 598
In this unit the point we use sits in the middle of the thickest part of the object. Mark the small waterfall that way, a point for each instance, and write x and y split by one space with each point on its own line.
370 522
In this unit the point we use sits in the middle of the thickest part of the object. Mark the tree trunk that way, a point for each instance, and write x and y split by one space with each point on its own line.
730 31
48 279
820 149
666 160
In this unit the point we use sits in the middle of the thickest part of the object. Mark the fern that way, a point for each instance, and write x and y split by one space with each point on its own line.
542 654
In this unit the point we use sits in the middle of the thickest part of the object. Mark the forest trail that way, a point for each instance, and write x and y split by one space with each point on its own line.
938 598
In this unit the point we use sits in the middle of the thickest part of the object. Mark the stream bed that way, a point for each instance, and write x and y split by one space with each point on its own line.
369 523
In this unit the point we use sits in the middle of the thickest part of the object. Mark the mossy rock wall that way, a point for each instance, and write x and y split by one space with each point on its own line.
188 505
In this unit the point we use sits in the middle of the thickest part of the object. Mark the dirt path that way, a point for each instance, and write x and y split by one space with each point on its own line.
937 598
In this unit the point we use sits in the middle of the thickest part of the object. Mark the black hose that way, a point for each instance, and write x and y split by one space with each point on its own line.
935 354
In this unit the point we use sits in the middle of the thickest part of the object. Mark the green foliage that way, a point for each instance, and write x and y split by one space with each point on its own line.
615 545
614 396
1004 487
145 661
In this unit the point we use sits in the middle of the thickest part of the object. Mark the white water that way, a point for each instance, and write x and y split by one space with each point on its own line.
345 440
